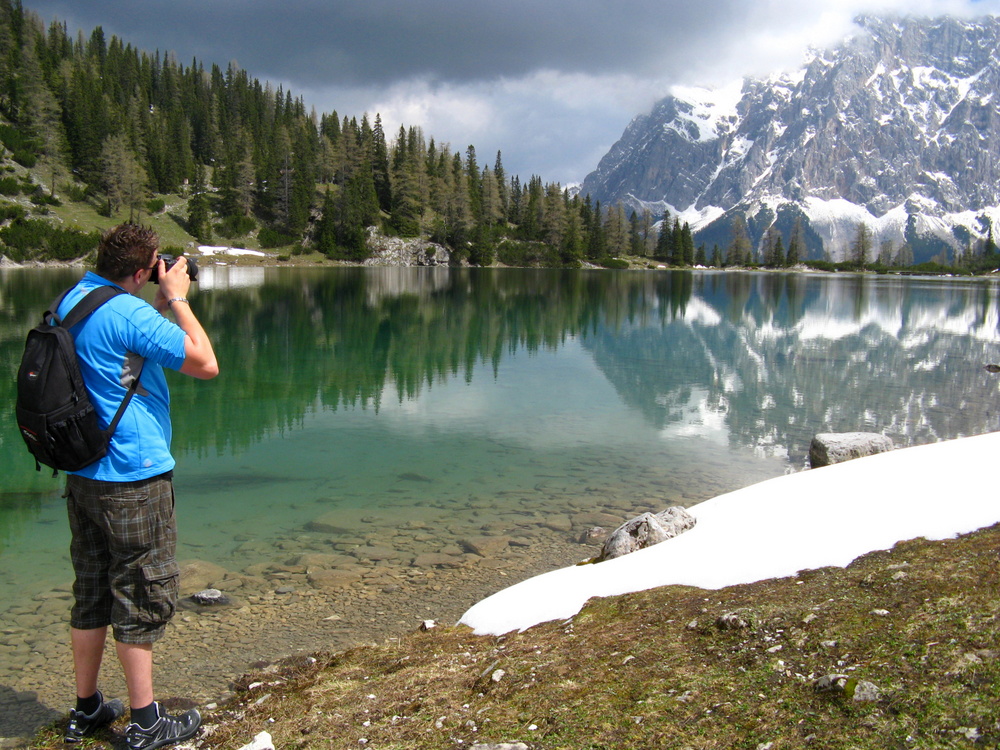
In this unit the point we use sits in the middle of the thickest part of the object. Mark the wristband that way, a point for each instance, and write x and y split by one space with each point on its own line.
178 299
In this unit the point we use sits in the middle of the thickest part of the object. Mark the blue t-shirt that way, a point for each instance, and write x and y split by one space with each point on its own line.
110 345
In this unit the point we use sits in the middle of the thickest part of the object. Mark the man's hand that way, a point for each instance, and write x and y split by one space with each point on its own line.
175 282
172 284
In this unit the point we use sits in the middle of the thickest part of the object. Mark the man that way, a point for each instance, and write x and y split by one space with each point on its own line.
121 508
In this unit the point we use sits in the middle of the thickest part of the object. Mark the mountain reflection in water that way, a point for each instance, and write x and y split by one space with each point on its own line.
347 379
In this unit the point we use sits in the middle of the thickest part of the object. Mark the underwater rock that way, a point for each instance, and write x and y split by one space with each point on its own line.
209 597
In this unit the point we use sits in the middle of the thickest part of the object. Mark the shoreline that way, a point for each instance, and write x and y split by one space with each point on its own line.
206 650
273 259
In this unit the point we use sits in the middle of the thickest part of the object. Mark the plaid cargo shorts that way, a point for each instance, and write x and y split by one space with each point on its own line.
123 552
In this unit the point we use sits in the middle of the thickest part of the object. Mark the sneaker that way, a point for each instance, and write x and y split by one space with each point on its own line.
81 724
166 731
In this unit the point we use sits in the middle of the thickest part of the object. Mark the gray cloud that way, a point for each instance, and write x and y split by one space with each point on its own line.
375 42
551 83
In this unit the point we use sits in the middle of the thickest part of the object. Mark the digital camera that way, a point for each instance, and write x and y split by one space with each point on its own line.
169 260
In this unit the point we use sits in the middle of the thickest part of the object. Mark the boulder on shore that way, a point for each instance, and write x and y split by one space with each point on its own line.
645 531
835 447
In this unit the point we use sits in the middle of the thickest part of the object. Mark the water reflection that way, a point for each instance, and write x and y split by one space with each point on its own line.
769 360
758 360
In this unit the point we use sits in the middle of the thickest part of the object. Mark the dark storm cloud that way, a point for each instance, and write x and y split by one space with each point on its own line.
551 82
376 42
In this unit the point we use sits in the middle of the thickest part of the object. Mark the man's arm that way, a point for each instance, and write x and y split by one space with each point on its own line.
199 356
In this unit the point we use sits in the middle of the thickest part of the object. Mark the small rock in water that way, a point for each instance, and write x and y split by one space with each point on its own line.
410 476
209 597
594 535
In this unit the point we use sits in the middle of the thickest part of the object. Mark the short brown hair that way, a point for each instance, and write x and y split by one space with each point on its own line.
125 249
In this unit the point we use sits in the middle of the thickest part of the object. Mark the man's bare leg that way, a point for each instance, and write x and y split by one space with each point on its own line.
137 663
88 651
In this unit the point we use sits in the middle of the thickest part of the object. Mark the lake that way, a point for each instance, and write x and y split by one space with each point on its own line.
384 416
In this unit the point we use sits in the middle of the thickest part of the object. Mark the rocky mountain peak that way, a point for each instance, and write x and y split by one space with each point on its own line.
897 127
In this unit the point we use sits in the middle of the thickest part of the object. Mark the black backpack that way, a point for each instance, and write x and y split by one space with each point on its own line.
54 413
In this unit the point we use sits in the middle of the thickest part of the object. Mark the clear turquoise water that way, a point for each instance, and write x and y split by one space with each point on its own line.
422 393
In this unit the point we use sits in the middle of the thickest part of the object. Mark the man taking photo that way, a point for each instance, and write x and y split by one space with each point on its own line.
121 508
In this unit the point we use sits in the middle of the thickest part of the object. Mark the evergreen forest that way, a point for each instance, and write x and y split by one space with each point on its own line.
91 121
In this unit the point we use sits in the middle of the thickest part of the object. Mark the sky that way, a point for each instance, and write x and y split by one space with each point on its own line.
551 84
803 521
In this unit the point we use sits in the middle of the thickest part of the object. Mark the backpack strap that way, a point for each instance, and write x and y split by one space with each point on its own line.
124 405
94 299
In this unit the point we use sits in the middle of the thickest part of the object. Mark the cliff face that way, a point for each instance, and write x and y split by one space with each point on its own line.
898 127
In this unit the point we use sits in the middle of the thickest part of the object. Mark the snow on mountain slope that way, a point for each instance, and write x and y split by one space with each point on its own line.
898 127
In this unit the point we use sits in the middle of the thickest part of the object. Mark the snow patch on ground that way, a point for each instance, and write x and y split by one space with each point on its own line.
807 520
211 250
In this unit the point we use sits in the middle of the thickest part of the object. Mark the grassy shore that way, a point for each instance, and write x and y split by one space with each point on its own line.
675 667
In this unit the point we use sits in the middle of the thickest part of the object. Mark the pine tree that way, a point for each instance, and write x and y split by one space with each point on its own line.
796 245
665 238
687 245
596 245
571 250
122 176
778 253
553 216
501 177
380 166
700 259
716 257
199 216
326 228
861 248
492 211
636 241
740 249
676 257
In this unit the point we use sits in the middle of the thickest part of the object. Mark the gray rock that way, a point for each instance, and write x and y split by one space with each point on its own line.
835 447
485 546
199 574
866 691
209 597
437 560
262 741
645 531
323 578
831 683
594 535
734 621
500 746
857 690
393 251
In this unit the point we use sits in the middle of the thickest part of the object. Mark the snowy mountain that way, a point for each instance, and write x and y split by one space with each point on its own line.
898 127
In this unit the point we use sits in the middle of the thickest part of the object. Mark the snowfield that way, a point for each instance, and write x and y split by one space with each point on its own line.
811 519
